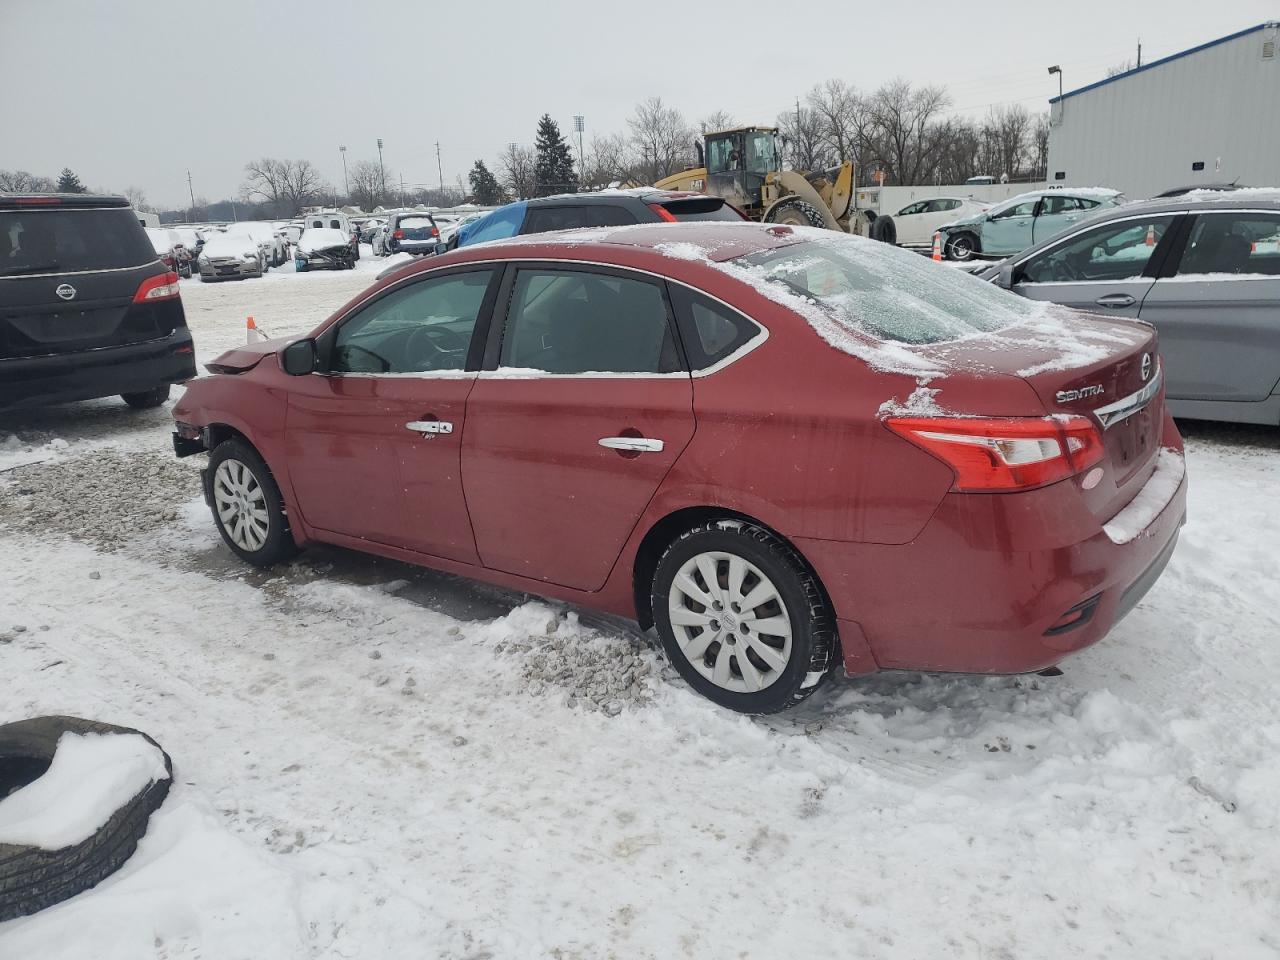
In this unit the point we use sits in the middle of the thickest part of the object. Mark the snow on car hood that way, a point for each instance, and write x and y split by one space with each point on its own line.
229 245
321 238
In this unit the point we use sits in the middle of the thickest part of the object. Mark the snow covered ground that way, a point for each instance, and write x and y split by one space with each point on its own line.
372 760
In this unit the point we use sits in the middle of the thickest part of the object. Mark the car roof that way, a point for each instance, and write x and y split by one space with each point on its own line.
1199 199
14 201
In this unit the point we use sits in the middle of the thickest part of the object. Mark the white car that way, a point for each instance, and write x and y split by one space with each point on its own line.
274 247
917 221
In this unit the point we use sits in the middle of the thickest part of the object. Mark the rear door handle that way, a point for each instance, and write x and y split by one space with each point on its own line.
427 427
634 444
1116 300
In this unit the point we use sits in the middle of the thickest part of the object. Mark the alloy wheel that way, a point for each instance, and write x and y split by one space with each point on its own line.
730 621
241 505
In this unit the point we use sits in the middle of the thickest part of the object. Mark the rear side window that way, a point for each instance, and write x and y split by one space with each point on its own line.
543 219
1232 243
58 241
711 331
701 208
570 322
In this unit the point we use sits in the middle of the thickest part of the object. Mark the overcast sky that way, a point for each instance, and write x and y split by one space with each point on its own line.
135 93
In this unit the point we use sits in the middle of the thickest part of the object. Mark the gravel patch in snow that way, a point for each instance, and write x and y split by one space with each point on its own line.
107 498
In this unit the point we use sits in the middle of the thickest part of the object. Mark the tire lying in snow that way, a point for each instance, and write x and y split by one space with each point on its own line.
69 821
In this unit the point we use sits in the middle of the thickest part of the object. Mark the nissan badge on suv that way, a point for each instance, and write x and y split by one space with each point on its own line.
86 307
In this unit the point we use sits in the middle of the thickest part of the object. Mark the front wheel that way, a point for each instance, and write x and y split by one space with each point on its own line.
247 506
961 247
742 618
147 399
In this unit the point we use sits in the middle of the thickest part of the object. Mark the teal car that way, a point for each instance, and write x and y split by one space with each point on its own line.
1012 226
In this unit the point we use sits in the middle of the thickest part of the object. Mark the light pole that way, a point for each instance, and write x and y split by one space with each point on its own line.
382 171
579 124
346 184
1058 70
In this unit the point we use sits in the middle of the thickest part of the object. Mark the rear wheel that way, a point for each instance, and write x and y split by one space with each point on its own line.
742 618
797 213
961 247
884 229
147 398
247 506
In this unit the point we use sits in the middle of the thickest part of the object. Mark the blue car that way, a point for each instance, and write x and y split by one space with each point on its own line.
609 208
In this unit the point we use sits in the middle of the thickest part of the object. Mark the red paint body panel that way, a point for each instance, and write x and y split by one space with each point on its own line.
791 434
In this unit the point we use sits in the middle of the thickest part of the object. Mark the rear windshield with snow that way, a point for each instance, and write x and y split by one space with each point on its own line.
52 241
887 292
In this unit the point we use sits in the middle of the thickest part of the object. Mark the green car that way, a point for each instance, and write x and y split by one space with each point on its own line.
1012 226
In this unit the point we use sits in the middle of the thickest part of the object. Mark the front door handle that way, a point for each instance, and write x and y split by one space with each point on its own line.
429 427
1116 300
633 444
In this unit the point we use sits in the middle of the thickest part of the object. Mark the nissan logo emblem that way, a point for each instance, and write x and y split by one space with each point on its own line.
66 291
1146 366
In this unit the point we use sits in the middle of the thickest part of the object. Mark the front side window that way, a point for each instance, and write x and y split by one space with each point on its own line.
575 322
1238 244
723 154
1025 209
913 209
1115 251
424 327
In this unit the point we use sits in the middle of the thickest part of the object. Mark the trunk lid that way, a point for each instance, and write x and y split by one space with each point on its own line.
1099 367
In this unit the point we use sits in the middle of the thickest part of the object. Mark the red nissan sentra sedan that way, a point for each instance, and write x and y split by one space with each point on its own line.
781 446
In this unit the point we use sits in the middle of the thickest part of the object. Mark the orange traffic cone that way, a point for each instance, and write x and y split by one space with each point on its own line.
1151 235
937 246
252 333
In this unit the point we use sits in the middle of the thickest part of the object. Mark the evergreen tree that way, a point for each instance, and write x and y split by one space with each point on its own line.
484 185
68 182
554 166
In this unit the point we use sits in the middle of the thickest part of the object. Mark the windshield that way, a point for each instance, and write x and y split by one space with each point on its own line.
887 292
41 241
762 152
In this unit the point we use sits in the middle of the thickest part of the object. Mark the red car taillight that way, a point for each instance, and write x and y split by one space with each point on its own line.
662 212
399 235
435 231
999 453
163 286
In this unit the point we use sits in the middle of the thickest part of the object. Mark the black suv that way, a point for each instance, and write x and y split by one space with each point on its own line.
86 308
607 208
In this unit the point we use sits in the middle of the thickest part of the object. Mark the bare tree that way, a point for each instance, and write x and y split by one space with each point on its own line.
264 181
803 144
286 186
365 179
715 121
1008 126
904 130
662 139
959 151
1119 68
19 181
842 116
302 185
1039 147
518 166
137 198
608 160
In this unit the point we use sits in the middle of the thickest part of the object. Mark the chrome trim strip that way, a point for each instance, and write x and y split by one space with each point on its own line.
1126 407
77 273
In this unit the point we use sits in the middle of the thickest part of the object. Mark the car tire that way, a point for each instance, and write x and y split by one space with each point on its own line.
961 247
147 399
33 878
792 603
244 499
884 229
797 213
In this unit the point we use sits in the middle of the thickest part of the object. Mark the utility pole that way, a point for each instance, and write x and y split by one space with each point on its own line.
402 189
383 170
1139 52
192 217
346 184
439 168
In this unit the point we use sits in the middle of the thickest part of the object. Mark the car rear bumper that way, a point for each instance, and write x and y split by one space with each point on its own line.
995 583
88 374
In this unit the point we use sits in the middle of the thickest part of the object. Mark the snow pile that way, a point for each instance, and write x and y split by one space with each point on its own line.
16 452
597 672
107 498
91 777
1155 495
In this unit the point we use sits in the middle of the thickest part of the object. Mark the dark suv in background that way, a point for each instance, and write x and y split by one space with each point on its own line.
607 208
86 307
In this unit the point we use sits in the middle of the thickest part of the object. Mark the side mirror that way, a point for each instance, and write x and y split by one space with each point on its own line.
299 358
1004 279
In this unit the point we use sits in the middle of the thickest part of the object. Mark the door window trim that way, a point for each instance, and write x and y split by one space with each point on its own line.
1150 272
479 333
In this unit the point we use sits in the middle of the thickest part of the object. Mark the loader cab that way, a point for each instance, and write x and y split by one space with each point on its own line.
739 162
